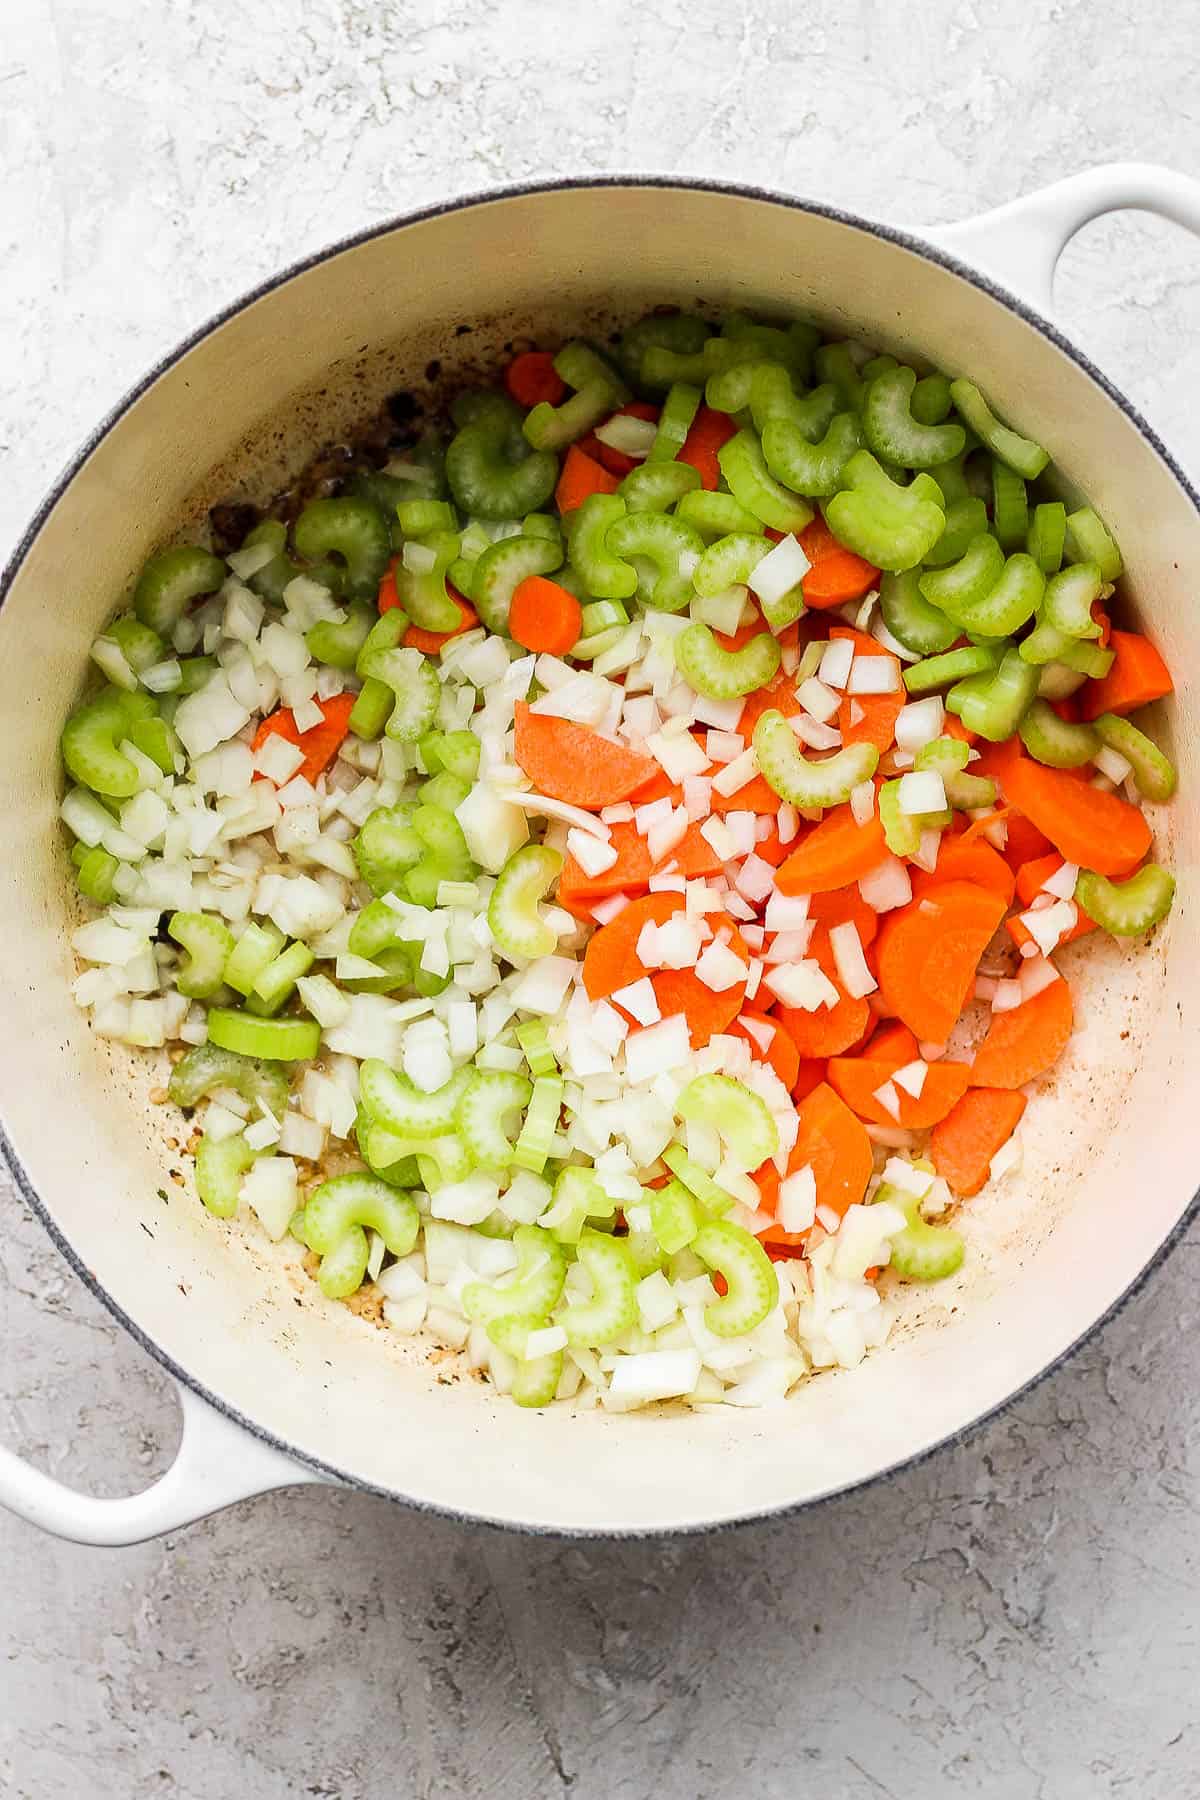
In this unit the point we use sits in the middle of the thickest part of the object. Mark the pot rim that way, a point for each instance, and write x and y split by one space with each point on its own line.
905 239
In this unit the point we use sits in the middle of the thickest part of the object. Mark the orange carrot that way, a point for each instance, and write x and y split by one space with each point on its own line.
892 1043
544 617
581 475
320 743
966 859
963 1144
611 960
835 853
1094 829
869 718
779 693
574 763
836 576
616 460
1023 841
845 906
693 856
1031 878
856 1079
709 430
810 1074
928 952
1138 675
829 1030
531 378
706 1012
781 1052
835 1146
817 541
952 727
430 642
1024 1042
758 796
387 596
1104 622
658 786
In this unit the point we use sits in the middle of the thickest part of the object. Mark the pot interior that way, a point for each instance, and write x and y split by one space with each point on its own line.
1111 1142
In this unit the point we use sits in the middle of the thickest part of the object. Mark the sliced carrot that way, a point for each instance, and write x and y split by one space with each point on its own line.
892 1043
966 859
869 718
845 906
706 1012
387 597
737 640
772 850
544 617
779 694
431 642
581 475
816 540
952 727
616 460
320 743
1067 708
693 857
758 796
929 950
1026 1041
836 577
829 1030
835 1146
709 430
1087 826
1138 675
1023 841
532 379
998 760
572 762
810 1074
1031 878
781 1052
611 960
836 852
658 786
965 1141
857 1078
1104 622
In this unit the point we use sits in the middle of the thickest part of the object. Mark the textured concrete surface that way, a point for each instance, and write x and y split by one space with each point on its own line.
1016 1618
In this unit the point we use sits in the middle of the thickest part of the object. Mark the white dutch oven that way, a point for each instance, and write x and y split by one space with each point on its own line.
280 1388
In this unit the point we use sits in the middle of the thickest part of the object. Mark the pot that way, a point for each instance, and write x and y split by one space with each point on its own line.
279 1387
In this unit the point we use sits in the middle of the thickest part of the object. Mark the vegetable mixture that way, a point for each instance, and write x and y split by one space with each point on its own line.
601 879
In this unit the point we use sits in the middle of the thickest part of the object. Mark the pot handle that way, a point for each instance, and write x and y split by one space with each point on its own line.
218 1462
1019 244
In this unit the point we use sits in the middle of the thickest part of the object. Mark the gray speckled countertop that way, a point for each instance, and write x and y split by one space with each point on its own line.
1017 1617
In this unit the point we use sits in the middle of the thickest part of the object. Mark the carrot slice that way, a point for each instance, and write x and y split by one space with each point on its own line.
1023 841
1031 877
544 617
965 1141
581 475
709 430
837 576
531 379
757 797
856 1080
781 1052
574 763
706 1012
1138 675
810 1074
928 952
779 693
611 960
431 642
1024 1042
835 1146
893 1043
829 1030
845 906
836 852
613 459
1094 829
967 859
658 786
693 857
952 727
320 743
387 596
